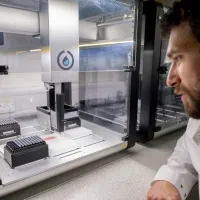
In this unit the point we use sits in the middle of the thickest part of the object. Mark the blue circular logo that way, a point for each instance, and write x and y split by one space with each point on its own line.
65 60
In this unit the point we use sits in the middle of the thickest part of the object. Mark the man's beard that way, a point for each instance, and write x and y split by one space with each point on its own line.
192 103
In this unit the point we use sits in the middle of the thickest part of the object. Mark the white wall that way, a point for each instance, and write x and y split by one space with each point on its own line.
22 89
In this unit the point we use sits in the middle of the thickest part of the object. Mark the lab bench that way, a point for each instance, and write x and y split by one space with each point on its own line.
123 176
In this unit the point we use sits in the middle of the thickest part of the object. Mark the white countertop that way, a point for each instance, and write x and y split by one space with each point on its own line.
123 176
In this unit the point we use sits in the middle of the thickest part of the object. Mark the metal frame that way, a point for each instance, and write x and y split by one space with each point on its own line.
133 90
149 92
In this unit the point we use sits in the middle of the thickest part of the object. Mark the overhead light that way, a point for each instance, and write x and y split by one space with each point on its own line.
35 50
105 43
20 52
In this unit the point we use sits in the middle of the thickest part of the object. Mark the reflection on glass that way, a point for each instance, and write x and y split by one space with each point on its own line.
98 8
105 98
103 83
109 57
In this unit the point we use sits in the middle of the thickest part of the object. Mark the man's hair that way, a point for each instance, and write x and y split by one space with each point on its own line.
183 11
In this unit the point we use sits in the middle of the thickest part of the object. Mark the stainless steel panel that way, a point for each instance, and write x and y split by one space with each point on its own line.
32 5
87 30
59 27
14 20
44 38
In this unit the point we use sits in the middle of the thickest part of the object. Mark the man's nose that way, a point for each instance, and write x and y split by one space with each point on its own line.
173 79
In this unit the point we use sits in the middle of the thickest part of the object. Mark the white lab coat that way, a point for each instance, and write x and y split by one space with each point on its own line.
183 167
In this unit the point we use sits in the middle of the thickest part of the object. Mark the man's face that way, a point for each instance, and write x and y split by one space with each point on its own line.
184 74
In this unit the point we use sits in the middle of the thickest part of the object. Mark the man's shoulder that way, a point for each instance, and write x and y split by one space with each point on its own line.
193 122
193 126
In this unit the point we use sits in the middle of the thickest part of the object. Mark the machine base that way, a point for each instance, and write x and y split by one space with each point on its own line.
68 150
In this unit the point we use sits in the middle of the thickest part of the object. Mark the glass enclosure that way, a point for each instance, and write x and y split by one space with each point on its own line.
64 98
103 95
106 46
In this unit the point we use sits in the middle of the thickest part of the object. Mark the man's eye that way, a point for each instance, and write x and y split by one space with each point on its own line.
177 58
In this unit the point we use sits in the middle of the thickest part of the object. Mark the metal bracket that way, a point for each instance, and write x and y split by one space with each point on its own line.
4 70
130 68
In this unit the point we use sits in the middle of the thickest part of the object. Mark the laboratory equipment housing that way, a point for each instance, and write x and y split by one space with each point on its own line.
79 80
